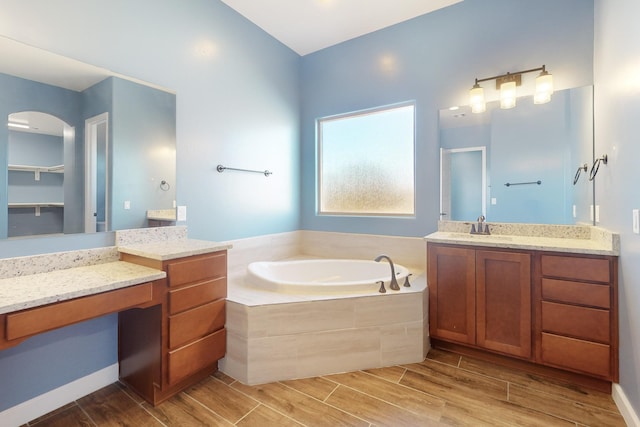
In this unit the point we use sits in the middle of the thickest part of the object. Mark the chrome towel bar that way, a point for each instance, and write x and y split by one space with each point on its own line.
221 169
509 184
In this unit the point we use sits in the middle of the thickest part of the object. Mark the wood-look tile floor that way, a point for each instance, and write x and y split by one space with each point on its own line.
445 390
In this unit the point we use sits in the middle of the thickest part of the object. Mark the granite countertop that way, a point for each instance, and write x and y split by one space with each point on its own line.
162 214
593 246
578 239
18 293
172 249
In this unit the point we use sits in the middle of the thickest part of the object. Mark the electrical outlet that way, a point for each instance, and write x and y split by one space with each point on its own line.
591 212
636 221
182 213
494 201
127 204
597 213
575 211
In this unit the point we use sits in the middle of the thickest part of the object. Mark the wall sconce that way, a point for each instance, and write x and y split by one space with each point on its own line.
507 84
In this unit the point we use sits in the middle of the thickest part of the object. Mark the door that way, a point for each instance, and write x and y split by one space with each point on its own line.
503 302
452 296
97 173
463 183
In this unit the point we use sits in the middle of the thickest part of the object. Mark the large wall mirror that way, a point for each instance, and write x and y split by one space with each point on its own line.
84 150
519 165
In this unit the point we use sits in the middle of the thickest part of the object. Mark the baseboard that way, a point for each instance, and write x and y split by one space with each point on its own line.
624 406
54 399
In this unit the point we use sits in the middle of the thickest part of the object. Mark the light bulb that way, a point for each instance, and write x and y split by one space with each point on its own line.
476 99
508 95
544 88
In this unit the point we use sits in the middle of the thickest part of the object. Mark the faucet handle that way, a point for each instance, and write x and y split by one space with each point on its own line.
382 290
406 281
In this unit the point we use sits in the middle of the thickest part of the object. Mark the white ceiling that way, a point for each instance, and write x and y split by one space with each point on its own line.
31 63
306 26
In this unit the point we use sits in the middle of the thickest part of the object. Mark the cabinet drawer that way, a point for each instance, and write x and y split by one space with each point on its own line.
195 323
41 319
580 322
575 354
196 356
201 293
590 269
576 293
197 269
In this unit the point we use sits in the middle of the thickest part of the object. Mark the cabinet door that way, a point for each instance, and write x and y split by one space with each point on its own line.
452 305
503 302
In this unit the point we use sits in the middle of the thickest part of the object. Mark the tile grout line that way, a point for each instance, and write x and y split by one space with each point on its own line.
552 395
324 402
386 401
252 398
206 407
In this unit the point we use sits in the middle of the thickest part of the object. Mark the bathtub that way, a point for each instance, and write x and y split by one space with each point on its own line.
322 275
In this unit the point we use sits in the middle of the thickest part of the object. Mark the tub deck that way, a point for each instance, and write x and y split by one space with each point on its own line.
273 336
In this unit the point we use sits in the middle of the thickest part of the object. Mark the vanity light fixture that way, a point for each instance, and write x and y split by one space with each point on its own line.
476 99
508 95
507 84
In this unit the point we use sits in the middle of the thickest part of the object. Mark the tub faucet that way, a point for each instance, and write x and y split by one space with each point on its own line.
394 282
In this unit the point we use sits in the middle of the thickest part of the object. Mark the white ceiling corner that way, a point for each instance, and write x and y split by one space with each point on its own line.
306 26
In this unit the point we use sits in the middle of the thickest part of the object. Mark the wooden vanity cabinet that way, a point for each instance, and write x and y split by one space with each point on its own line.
576 314
554 309
170 347
480 298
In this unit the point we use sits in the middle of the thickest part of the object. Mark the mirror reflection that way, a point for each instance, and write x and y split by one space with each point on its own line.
518 165
90 156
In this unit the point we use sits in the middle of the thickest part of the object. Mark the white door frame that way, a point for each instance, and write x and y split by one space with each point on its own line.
90 168
443 153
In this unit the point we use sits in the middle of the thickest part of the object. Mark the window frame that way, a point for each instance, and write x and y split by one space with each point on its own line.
319 160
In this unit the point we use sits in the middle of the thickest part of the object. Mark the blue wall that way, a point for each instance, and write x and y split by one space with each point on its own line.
143 126
434 59
18 95
617 106
237 104
530 143
242 98
56 358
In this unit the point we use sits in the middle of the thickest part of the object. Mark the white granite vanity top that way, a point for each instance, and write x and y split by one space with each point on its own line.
18 293
172 249
162 214
568 239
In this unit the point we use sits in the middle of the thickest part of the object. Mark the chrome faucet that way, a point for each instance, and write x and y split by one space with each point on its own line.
480 227
394 282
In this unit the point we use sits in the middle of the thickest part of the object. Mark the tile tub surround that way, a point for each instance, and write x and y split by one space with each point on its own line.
274 336
281 341
581 239
408 251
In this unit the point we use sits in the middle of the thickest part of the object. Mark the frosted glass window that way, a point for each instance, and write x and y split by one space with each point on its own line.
366 162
